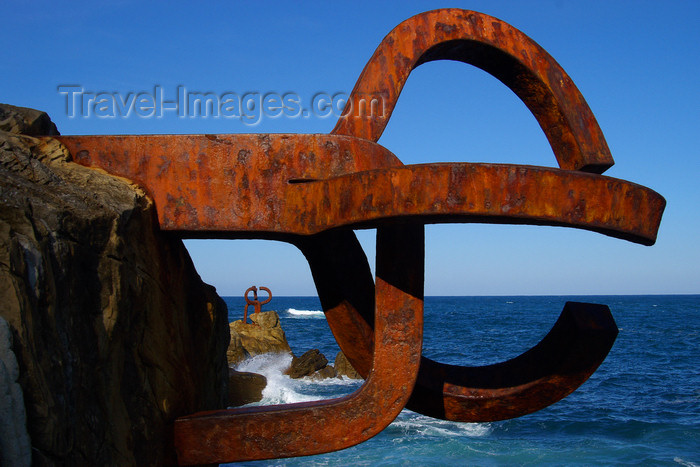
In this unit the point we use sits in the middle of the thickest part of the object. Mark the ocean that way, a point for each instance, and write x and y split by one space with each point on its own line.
642 405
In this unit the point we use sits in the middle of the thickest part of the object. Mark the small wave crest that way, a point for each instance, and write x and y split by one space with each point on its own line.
411 423
305 313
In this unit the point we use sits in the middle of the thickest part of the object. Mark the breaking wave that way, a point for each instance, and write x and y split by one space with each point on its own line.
305 313
281 389
411 423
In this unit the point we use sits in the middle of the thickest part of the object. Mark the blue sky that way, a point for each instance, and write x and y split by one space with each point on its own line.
636 63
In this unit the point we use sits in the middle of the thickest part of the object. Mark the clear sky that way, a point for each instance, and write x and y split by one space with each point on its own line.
636 63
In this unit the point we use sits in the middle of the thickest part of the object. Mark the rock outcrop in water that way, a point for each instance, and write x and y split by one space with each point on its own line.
343 367
263 335
308 364
245 387
114 332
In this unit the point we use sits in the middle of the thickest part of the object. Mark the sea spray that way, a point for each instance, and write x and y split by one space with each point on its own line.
281 389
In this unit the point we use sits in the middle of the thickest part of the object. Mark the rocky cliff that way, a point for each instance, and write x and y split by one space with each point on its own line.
114 332
15 447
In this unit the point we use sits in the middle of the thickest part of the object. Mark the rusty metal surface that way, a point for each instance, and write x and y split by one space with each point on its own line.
304 184
312 190
227 183
479 193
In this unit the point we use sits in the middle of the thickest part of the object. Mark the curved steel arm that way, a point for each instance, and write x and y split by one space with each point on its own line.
491 193
567 356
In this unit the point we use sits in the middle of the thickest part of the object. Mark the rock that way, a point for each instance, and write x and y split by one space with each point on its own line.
344 368
25 121
264 335
244 387
267 320
114 332
324 373
312 361
236 352
15 446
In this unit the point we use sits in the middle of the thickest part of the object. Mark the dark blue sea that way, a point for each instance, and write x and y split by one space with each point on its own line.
642 405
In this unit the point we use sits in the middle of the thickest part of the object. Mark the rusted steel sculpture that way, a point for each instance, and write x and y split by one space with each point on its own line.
257 304
312 190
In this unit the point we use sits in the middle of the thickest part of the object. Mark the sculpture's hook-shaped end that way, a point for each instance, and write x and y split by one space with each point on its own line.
566 357
248 302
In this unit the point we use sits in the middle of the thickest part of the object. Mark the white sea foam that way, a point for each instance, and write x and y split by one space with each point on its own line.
412 423
684 462
341 383
305 313
280 389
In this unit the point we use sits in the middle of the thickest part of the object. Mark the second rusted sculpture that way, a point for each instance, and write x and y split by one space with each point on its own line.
312 190
257 304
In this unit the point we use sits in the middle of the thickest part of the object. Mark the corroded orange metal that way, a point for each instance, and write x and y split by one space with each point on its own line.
257 304
301 184
228 184
312 190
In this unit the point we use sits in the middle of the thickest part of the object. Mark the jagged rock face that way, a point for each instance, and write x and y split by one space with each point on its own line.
324 373
236 353
343 367
308 364
263 335
25 121
114 332
15 447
